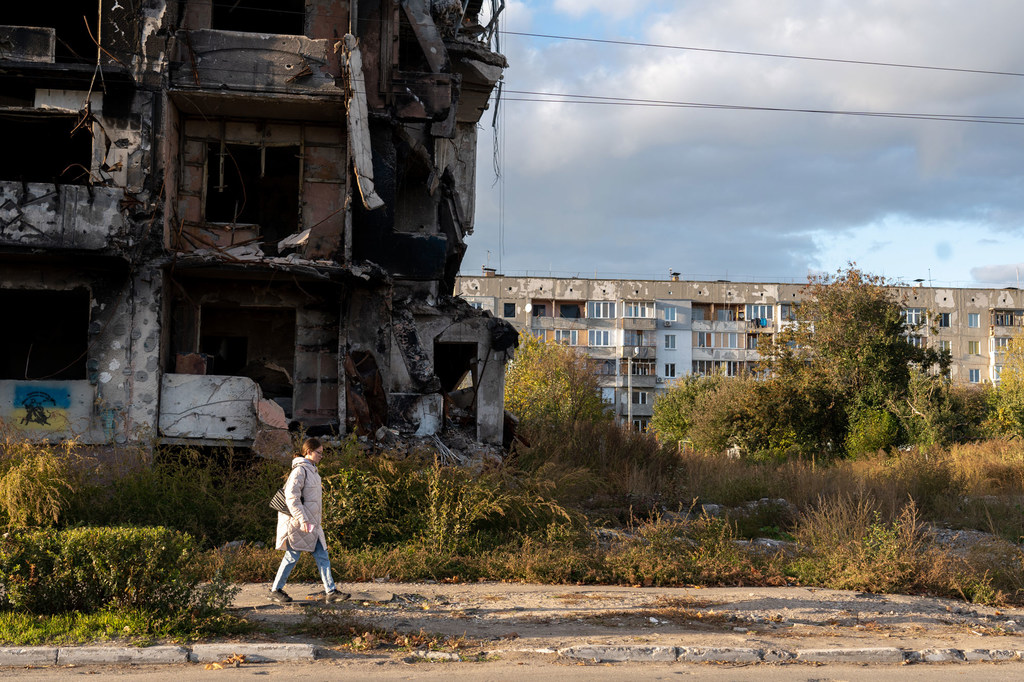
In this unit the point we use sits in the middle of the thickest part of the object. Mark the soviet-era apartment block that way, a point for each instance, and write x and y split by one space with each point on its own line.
221 220
646 334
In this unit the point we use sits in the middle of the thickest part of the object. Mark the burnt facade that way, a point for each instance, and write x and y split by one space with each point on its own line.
219 220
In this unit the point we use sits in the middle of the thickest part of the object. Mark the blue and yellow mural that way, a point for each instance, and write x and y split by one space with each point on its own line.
41 407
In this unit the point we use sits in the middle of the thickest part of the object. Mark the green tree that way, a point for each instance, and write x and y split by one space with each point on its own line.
852 335
548 383
847 363
673 411
1009 414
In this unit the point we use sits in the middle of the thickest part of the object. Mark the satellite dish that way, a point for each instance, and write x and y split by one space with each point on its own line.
528 307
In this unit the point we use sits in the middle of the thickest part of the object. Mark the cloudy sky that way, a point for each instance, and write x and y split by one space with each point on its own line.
634 191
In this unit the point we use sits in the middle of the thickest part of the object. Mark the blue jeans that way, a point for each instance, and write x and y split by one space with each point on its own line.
288 563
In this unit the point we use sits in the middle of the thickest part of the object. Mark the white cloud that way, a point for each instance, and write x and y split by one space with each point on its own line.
615 9
636 189
998 274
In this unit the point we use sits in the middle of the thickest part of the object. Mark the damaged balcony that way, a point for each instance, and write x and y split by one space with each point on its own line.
256 63
252 188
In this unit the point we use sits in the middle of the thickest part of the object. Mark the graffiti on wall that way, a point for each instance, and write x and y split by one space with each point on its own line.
41 407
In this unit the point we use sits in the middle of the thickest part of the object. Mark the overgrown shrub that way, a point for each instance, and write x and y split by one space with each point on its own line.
90 569
214 499
37 480
849 545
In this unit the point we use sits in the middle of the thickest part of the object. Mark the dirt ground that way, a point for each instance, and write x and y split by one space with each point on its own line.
503 616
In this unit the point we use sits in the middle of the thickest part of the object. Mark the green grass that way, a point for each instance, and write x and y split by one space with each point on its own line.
131 626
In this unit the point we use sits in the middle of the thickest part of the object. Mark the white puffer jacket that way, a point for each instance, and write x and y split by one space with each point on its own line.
304 494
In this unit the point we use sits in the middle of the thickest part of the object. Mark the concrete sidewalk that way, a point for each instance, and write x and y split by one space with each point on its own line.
604 624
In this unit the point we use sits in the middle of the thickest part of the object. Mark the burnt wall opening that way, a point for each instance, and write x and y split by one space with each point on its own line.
43 148
256 185
46 334
260 16
258 343
68 20
452 362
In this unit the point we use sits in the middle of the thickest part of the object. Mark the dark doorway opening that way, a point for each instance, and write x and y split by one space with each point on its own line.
254 185
258 343
260 16
44 149
453 362
45 335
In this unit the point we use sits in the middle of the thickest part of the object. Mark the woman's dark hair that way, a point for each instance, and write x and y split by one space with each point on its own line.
311 445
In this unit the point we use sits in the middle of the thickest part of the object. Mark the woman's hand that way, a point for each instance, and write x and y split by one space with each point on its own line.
308 527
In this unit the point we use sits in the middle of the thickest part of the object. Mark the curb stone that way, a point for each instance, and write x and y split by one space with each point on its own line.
612 654
254 653
84 655
278 652
990 655
868 655
691 654
30 655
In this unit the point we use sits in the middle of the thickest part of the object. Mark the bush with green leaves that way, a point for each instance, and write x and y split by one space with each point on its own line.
91 569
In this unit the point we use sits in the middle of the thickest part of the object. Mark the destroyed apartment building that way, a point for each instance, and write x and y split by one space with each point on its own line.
223 219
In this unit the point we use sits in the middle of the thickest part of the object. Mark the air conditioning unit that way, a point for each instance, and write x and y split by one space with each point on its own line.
667 323
660 380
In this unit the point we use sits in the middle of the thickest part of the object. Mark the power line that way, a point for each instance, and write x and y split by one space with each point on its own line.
773 55
566 98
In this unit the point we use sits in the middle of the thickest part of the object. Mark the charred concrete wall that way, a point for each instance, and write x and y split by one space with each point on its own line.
222 221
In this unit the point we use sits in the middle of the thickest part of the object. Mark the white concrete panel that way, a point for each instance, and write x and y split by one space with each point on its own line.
217 407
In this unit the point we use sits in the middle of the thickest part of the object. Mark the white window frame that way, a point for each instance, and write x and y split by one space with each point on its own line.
670 313
728 340
599 337
670 370
755 310
974 376
913 316
601 310
569 337
670 341
974 347
639 397
637 309
974 320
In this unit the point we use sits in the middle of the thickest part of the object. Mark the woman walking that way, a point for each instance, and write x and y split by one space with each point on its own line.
302 531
